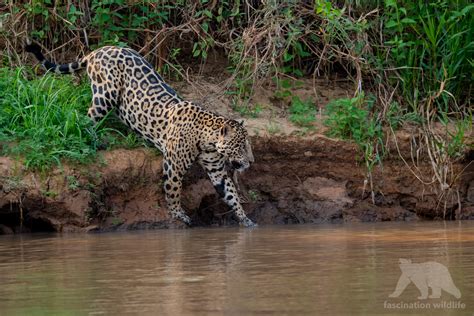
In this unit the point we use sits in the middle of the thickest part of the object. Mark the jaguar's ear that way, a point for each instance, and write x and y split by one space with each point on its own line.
226 130
241 122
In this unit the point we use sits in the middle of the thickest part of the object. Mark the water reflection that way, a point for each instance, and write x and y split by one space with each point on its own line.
337 269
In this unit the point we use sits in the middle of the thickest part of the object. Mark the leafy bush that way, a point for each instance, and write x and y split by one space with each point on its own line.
302 113
351 119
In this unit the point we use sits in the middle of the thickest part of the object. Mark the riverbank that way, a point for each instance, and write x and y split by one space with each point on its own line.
293 180
300 175
358 111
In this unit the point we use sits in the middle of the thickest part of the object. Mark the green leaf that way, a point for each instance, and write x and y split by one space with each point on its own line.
205 26
298 72
287 57
391 24
208 13
286 84
390 3
408 21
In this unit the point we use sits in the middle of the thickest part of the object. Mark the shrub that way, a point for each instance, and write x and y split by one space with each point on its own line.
302 113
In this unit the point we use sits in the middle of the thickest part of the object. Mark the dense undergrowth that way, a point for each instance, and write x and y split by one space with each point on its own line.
43 120
411 62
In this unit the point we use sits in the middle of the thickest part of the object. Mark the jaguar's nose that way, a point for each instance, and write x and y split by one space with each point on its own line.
236 165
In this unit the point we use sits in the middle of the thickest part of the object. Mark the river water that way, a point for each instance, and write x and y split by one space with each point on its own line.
344 269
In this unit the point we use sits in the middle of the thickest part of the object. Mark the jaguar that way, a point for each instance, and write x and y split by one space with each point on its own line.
183 131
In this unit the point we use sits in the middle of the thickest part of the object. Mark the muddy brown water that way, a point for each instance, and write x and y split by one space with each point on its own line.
294 270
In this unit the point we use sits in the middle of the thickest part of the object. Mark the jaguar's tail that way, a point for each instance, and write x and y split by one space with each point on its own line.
69 68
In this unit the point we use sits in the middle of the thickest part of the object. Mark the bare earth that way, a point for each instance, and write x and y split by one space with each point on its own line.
300 176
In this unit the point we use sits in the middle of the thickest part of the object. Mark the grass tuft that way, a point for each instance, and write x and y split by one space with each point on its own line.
44 120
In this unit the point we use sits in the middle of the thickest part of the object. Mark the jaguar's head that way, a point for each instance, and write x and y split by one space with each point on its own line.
234 144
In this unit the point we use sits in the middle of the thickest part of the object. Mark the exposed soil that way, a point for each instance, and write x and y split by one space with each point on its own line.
272 118
300 176
293 180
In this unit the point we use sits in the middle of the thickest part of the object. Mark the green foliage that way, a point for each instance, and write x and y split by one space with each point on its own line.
295 50
284 89
421 50
432 43
173 68
242 70
44 120
116 221
352 119
120 21
242 89
343 35
428 45
72 183
456 133
302 113
49 193
247 110
396 116
38 120
254 195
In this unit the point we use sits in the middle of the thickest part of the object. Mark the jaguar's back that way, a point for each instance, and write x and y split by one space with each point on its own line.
121 78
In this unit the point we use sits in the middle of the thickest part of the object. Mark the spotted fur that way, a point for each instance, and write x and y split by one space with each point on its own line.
183 131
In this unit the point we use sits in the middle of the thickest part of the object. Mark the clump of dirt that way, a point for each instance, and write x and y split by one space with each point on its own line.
293 180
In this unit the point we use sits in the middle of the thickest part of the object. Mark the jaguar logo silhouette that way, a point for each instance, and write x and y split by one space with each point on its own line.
425 275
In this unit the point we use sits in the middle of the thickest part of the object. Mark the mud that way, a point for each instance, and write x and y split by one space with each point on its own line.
294 180
299 176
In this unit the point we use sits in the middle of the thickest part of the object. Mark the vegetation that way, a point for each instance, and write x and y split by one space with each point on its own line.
353 119
302 113
44 120
410 62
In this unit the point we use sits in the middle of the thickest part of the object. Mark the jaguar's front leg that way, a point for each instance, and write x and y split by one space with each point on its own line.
172 185
225 187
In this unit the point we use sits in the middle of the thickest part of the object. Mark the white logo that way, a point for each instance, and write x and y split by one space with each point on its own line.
425 275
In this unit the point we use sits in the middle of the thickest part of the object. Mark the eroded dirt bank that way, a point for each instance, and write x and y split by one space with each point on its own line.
293 180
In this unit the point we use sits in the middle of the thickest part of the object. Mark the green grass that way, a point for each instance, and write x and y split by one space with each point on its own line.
302 113
247 110
432 44
44 120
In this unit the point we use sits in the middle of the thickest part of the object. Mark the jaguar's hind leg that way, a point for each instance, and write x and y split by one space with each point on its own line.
172 176
99 108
